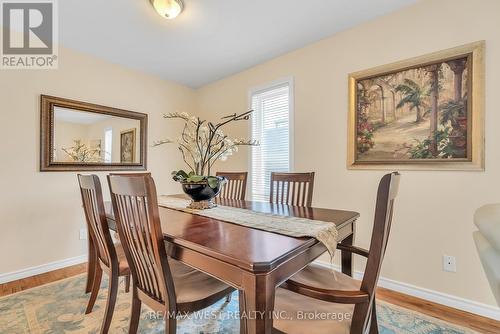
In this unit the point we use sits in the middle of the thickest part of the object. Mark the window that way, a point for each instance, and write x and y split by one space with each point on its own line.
271 124
108 145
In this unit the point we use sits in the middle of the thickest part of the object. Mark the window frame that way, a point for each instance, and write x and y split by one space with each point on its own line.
106 131
291 123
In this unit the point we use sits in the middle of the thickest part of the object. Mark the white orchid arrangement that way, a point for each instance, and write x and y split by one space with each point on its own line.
81 152
203 143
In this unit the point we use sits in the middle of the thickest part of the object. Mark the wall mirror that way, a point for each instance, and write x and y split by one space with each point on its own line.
80 136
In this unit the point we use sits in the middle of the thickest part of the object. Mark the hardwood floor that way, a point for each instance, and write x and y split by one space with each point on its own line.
37 280
461 318
445 313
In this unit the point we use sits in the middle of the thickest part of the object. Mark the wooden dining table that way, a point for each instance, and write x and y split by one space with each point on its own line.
253 261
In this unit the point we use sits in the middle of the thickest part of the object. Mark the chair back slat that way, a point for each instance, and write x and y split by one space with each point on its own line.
236 185
97 224
292 188
137 217
386 195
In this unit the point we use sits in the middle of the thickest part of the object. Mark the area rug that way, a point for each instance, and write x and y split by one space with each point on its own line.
59 308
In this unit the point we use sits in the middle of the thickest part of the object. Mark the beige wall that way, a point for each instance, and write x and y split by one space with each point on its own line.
434 210
40 213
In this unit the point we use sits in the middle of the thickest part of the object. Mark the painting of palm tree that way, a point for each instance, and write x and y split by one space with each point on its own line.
416 113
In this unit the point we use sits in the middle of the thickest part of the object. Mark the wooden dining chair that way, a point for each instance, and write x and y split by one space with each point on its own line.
165 285
236 185
318 289
292 188
109 256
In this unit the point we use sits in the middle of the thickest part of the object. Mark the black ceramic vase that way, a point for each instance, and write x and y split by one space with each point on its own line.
202 194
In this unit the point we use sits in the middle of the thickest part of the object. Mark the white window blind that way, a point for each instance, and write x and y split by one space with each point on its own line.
271 127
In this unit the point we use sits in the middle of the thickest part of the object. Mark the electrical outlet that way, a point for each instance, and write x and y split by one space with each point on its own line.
83 234
449 263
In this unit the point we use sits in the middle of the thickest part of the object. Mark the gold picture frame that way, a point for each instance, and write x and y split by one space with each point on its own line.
448 146
128 146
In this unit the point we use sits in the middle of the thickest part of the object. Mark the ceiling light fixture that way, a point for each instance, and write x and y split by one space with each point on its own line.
169 9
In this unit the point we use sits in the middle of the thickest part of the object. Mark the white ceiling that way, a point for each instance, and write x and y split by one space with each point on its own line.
211 39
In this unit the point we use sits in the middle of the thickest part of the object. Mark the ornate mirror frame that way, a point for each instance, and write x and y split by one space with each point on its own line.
47 104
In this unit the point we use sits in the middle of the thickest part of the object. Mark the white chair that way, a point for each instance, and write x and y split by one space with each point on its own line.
487 219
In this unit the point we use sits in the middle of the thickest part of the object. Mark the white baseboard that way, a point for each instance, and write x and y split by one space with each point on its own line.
459 303
15 275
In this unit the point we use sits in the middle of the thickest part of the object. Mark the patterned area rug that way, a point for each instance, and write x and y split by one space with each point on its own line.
59 308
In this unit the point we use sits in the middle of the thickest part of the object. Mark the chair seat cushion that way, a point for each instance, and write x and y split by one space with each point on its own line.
304 314
297 314
317 276
192 285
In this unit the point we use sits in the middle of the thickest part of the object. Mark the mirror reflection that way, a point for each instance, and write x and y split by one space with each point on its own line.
88 137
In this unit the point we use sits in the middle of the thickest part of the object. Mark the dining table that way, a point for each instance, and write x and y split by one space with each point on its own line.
253 261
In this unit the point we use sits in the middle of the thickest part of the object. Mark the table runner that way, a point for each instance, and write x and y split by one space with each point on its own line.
325 232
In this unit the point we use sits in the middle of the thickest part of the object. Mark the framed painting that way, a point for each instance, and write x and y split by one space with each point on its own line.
422 113
127 146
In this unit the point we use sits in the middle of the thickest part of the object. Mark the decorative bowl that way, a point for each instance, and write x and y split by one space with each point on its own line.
201 193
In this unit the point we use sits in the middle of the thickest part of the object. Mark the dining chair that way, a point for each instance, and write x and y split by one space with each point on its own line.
292 188
164 284
236 185
109 256
320 290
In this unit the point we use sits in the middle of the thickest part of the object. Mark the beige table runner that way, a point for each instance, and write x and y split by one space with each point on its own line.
324 232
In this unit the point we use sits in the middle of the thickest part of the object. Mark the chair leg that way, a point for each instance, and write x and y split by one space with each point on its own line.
170 325
96 284
374 322
110 304
127 283
135 312
91 266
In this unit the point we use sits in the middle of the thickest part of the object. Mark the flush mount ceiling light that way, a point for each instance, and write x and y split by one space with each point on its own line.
169 9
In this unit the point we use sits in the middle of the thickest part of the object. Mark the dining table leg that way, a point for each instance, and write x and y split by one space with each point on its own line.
258 304
241 300
91 264
347 256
